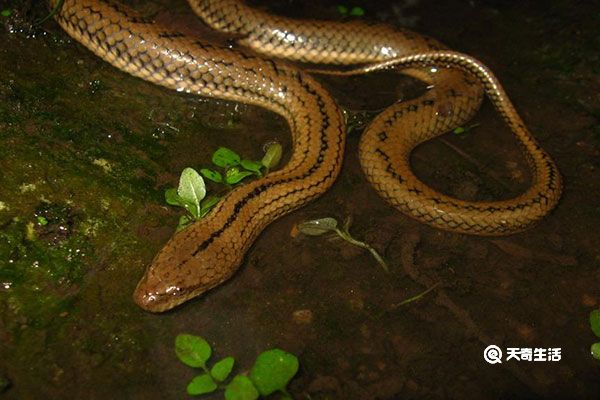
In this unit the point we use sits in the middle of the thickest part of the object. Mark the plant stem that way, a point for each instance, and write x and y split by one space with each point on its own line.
416 297
347 237
56 8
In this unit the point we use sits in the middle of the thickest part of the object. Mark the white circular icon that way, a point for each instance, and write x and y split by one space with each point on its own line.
493 354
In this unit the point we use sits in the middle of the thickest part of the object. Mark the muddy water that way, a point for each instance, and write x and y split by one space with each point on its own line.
87 151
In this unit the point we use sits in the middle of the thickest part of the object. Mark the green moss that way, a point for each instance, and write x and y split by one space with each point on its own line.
39 279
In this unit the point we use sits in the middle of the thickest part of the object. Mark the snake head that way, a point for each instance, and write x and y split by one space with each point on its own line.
192 262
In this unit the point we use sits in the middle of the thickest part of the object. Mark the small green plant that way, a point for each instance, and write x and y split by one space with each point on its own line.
461 130
7 12
191 191
234 168
318 227
191 195
271 372
595 325
350 12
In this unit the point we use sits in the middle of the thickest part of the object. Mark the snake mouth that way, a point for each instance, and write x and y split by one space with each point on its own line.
159 301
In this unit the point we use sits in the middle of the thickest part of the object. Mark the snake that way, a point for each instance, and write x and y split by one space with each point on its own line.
261 70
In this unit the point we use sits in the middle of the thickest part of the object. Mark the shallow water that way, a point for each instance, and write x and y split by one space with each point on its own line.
90 150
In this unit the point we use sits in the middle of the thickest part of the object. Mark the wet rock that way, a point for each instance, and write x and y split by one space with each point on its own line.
589 300
356 303
404 347
543 378
302 317
526 332
323 383
254 277
477 251
5 383
365 331
412 386
54 223
555 240
381 236
467 190
515 171
349 252
343 364
561 319
387 388
519 251
307 259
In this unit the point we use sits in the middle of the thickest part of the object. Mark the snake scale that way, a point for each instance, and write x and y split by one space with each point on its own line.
209 252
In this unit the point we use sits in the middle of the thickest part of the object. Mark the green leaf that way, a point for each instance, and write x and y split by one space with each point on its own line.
225 158
6 12
42 220
241 388
192 350
252 166
221 370
318 227
191 190
272 155
208 204
343 10
201 384
234 175
212 175
172 198
193 209
273 370
357 12
595 349
459 130
595 322
184 222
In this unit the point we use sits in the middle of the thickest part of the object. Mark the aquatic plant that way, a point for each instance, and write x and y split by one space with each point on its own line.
318 227
595 325
271 372
464 129
234 168
191 191
190 194
350 12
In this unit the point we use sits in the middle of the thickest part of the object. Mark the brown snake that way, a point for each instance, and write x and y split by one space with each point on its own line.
209 252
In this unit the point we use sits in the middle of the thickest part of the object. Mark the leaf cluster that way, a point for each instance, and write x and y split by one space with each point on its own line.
271 372
191 191
595 325
350 12
234 168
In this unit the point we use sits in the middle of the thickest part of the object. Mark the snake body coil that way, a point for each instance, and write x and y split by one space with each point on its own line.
207 253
